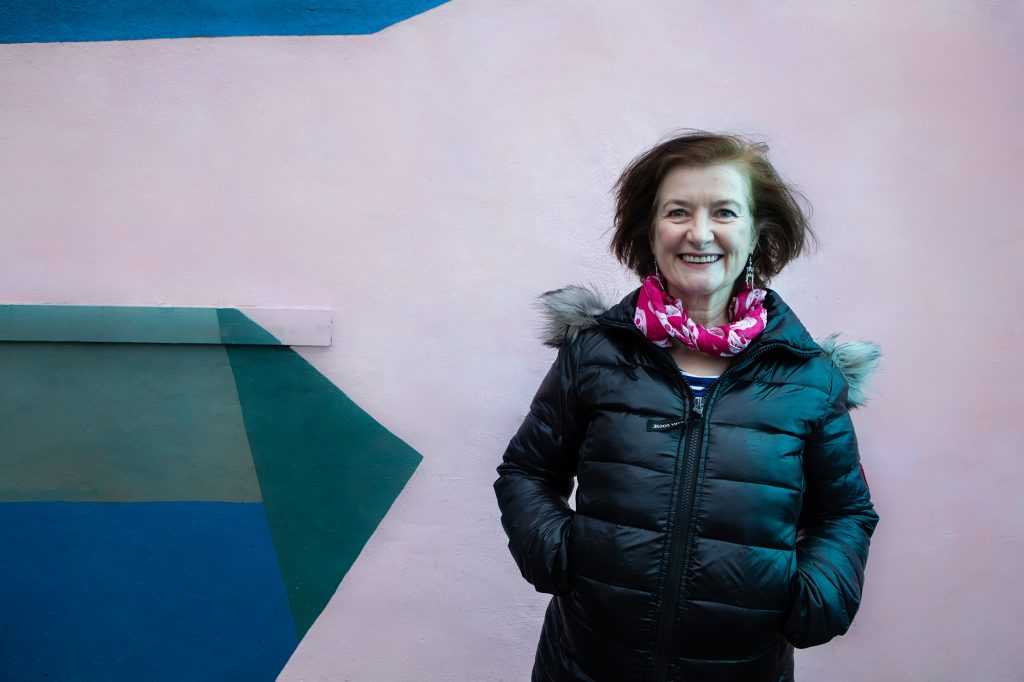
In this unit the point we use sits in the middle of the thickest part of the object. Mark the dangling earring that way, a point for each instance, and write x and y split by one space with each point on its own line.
750 272
657 272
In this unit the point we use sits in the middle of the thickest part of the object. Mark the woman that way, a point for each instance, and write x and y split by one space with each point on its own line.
722 516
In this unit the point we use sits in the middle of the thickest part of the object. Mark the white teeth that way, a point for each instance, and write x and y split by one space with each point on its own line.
700 259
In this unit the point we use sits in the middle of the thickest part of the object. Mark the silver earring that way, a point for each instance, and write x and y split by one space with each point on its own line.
750 272
657 273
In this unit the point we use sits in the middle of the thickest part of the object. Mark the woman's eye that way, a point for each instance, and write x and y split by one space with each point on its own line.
676 213
727 212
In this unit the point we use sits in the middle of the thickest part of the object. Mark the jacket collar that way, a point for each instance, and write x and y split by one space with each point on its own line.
572 309
783 328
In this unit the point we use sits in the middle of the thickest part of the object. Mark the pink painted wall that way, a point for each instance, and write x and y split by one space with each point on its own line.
427 182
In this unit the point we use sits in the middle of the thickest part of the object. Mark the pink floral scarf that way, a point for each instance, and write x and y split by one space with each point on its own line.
662 318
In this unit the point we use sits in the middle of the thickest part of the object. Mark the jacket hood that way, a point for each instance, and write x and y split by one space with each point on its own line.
570 310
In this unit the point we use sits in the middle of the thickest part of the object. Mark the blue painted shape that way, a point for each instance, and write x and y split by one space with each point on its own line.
140 591
48 21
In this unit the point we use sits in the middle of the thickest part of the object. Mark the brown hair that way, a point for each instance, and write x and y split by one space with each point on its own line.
780 225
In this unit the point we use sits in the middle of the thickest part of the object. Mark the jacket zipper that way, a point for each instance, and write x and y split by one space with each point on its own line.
680 530
678 556
697 412
693 412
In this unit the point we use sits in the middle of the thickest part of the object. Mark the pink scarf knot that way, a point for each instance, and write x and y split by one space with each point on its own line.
663 318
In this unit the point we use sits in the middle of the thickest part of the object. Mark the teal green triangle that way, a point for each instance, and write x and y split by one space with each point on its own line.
328 471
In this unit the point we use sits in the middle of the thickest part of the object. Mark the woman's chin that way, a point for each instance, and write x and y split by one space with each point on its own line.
696 288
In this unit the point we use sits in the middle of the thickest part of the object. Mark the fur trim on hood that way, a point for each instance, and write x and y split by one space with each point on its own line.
570 310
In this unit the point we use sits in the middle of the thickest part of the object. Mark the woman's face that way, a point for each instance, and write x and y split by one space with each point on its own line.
703 233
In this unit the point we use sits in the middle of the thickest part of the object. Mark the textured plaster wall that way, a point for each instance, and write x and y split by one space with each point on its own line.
428 181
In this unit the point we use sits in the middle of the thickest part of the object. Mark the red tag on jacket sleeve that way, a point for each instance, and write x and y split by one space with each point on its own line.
865 477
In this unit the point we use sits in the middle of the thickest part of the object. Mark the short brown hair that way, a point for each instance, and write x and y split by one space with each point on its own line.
780 225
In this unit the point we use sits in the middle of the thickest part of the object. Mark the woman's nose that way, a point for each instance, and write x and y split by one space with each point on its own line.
700 229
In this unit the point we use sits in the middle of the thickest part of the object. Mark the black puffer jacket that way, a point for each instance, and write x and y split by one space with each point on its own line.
707 538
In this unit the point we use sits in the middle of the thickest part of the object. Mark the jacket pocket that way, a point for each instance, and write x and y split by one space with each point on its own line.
562 569
571 555
793 591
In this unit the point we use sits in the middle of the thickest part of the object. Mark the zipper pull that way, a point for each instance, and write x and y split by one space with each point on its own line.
698 404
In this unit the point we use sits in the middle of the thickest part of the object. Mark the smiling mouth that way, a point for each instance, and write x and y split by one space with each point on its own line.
711 258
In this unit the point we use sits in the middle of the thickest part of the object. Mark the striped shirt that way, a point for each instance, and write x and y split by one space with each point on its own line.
698 384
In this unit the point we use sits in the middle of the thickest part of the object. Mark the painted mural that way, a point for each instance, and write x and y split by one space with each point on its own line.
173 506
182 492
424 181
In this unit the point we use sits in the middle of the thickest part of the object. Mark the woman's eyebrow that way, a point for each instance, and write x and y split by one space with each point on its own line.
686 203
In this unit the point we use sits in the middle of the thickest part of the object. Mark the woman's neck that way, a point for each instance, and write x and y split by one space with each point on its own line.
715 317
707 311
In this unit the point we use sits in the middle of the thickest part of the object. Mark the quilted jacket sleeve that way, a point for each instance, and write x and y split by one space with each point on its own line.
834 530
535 479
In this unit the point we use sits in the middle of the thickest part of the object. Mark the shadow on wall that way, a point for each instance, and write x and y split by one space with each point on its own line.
174 511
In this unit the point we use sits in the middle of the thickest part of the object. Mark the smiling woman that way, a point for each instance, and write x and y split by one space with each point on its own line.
702 240
703 236
722 516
